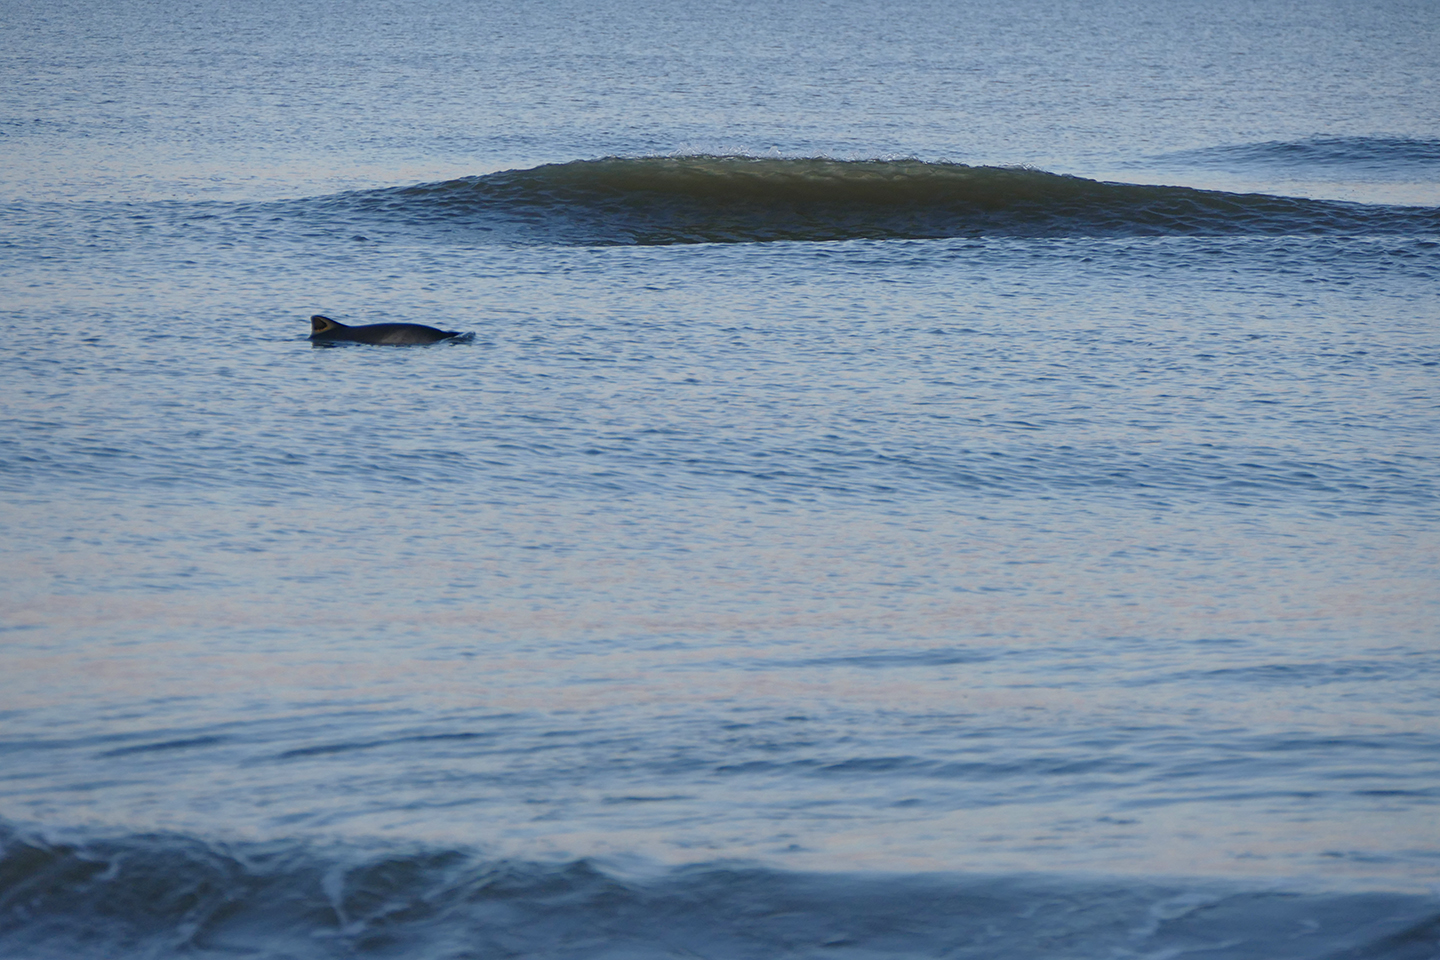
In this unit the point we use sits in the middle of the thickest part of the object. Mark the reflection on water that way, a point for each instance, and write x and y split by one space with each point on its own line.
900 692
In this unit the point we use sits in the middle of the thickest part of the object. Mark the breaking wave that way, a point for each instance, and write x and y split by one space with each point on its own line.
166 896
719 199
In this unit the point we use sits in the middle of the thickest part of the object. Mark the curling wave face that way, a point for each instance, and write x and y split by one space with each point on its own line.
719 199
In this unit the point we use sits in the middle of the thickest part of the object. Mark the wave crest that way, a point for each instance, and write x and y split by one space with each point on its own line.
719 199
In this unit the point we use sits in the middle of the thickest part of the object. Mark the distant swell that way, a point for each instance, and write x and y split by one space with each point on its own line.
1376 157
705 199
162 896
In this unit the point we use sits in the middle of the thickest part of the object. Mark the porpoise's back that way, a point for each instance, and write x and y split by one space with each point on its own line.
325 330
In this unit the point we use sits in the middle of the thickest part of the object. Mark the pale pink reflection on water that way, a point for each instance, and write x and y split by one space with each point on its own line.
954 624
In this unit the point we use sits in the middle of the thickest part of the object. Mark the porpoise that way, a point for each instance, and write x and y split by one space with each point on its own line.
325 330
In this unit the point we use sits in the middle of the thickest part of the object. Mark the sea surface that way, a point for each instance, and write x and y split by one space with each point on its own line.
918 480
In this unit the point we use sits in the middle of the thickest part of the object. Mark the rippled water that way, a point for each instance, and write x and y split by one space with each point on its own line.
940 481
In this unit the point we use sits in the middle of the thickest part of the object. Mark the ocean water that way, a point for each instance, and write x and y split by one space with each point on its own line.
920 480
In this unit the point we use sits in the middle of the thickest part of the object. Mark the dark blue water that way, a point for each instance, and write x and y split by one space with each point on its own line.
922 480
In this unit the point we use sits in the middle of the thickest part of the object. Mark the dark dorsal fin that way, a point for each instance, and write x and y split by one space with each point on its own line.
319 324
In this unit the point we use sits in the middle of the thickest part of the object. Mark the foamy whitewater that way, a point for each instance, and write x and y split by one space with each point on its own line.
919 480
